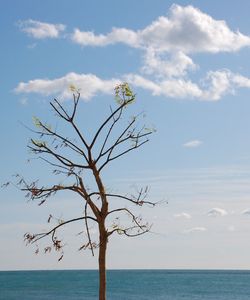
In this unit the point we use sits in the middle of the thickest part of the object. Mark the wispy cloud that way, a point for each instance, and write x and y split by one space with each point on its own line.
23 101
41 30
246 212
217 212
195 229
183 215
32 46
192 144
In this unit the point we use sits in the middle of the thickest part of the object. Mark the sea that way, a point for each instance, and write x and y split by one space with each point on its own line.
126 285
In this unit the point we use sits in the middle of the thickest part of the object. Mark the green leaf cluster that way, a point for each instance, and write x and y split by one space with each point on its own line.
124 94
39 143
36 121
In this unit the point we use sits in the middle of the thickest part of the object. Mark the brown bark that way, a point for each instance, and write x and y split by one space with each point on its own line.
102 261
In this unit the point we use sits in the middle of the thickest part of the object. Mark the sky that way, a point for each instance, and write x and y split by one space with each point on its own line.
187 62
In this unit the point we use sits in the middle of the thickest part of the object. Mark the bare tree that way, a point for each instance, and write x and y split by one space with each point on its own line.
78 158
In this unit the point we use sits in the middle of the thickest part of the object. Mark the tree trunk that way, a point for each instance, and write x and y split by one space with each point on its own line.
102 262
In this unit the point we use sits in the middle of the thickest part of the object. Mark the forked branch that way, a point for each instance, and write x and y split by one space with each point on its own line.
32 238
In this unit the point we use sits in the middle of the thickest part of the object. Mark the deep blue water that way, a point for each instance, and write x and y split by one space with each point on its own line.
126 285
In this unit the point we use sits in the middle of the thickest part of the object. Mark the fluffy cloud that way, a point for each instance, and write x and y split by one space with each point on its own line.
195 229
216 85
217 212
221 82
88 84
192 144
174 88
140 81
183 215
186 29
167 44
41 30
177 65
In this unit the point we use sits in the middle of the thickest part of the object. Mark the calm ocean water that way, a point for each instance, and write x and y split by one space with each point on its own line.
126 285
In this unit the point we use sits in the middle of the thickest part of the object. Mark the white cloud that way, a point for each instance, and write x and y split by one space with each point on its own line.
189 30
180 88
213 88
140 81
240 81
174 88
195 229
221 82
192 144
41 30
183 215
177 65
88 38
217 212
117 35
186 29
246 212
88 84
218 83
167 44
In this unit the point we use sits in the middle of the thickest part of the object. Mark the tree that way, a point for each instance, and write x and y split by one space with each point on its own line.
76 159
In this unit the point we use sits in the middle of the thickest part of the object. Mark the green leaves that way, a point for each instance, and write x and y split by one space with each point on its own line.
38 143
72 87
36 122
124 94
40 125
149 129
127 90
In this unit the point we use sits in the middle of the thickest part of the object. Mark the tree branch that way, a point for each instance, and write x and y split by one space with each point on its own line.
87 229
143 228
108 119
117 142
34 238
115 120
125 231
139 200
121 154
76 100
65 140
42 148
70 119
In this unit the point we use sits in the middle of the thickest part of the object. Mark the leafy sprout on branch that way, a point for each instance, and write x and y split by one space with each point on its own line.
77 158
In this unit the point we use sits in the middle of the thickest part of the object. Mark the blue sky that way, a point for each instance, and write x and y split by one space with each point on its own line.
187 61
